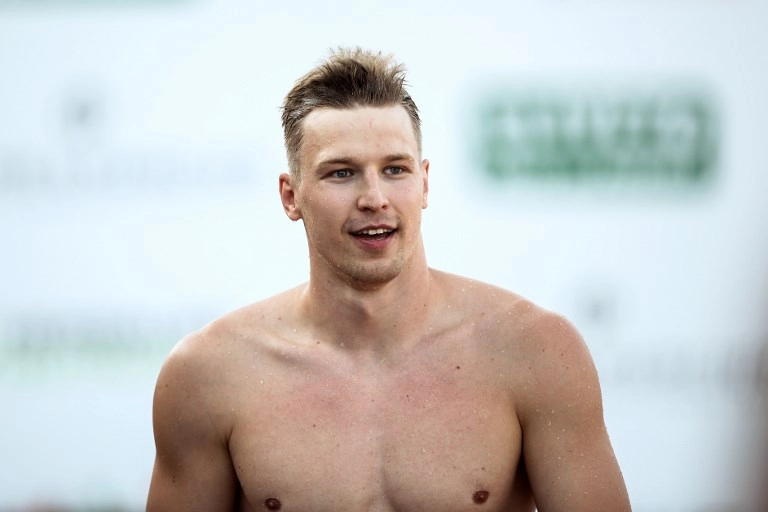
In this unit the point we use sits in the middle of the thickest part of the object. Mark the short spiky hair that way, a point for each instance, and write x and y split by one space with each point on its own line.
350 77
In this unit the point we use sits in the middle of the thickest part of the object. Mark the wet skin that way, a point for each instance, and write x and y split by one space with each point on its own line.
315 428
381 384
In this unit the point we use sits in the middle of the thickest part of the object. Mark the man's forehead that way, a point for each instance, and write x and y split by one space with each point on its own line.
334 132
330 117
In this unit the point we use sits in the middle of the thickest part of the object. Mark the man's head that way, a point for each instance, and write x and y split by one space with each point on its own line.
349 78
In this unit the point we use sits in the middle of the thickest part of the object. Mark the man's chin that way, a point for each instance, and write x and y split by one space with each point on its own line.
368 277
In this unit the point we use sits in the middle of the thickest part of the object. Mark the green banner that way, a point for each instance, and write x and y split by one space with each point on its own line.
663 134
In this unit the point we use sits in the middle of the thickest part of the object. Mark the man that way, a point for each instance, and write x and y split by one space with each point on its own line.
381 384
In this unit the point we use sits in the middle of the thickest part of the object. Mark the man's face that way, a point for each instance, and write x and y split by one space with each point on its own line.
361 193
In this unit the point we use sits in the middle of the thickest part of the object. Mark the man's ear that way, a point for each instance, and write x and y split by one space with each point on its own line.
425 177
288 197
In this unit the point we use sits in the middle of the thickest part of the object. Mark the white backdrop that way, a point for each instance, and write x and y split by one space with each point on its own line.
140 145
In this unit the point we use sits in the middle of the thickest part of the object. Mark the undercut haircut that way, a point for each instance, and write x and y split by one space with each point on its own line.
349 78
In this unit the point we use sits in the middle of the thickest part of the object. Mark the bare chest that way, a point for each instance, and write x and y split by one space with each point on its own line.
417 441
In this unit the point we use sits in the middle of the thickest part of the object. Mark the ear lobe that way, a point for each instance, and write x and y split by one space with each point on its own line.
288 197
425 177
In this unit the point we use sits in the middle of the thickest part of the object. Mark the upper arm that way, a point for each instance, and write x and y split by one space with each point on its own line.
568 455
193 469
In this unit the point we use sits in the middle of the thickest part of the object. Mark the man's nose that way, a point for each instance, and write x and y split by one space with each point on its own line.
372 196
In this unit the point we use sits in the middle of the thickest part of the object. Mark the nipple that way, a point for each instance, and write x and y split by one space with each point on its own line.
480 497
273 504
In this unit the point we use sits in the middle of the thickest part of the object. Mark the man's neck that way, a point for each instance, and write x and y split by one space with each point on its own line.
369 318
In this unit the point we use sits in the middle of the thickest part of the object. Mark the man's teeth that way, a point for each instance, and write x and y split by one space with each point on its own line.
379 231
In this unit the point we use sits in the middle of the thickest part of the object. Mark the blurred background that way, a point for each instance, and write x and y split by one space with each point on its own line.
605 159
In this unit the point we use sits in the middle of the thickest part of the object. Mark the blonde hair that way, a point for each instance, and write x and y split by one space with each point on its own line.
349 78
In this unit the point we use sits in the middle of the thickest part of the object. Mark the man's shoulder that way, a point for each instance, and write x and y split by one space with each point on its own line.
476 297
511 317
544 359
245 329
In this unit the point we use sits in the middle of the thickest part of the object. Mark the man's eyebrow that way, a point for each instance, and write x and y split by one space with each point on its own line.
399 156
346 160
340 160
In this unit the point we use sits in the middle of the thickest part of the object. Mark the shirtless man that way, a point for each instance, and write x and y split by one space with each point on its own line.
380 384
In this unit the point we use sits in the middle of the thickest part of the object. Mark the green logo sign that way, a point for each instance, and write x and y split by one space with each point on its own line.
662 134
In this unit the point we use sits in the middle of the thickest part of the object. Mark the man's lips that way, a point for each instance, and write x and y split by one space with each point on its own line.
372 232
378 233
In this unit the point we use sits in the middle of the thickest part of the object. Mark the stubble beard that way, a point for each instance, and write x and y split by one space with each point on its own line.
371 274
368 273
363 273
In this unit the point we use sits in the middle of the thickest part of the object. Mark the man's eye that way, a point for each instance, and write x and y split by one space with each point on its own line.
341 173
394 170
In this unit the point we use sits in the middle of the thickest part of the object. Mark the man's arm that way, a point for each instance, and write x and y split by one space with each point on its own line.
569 458
193 469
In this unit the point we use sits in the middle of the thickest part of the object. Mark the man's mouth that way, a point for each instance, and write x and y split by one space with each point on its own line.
374 234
